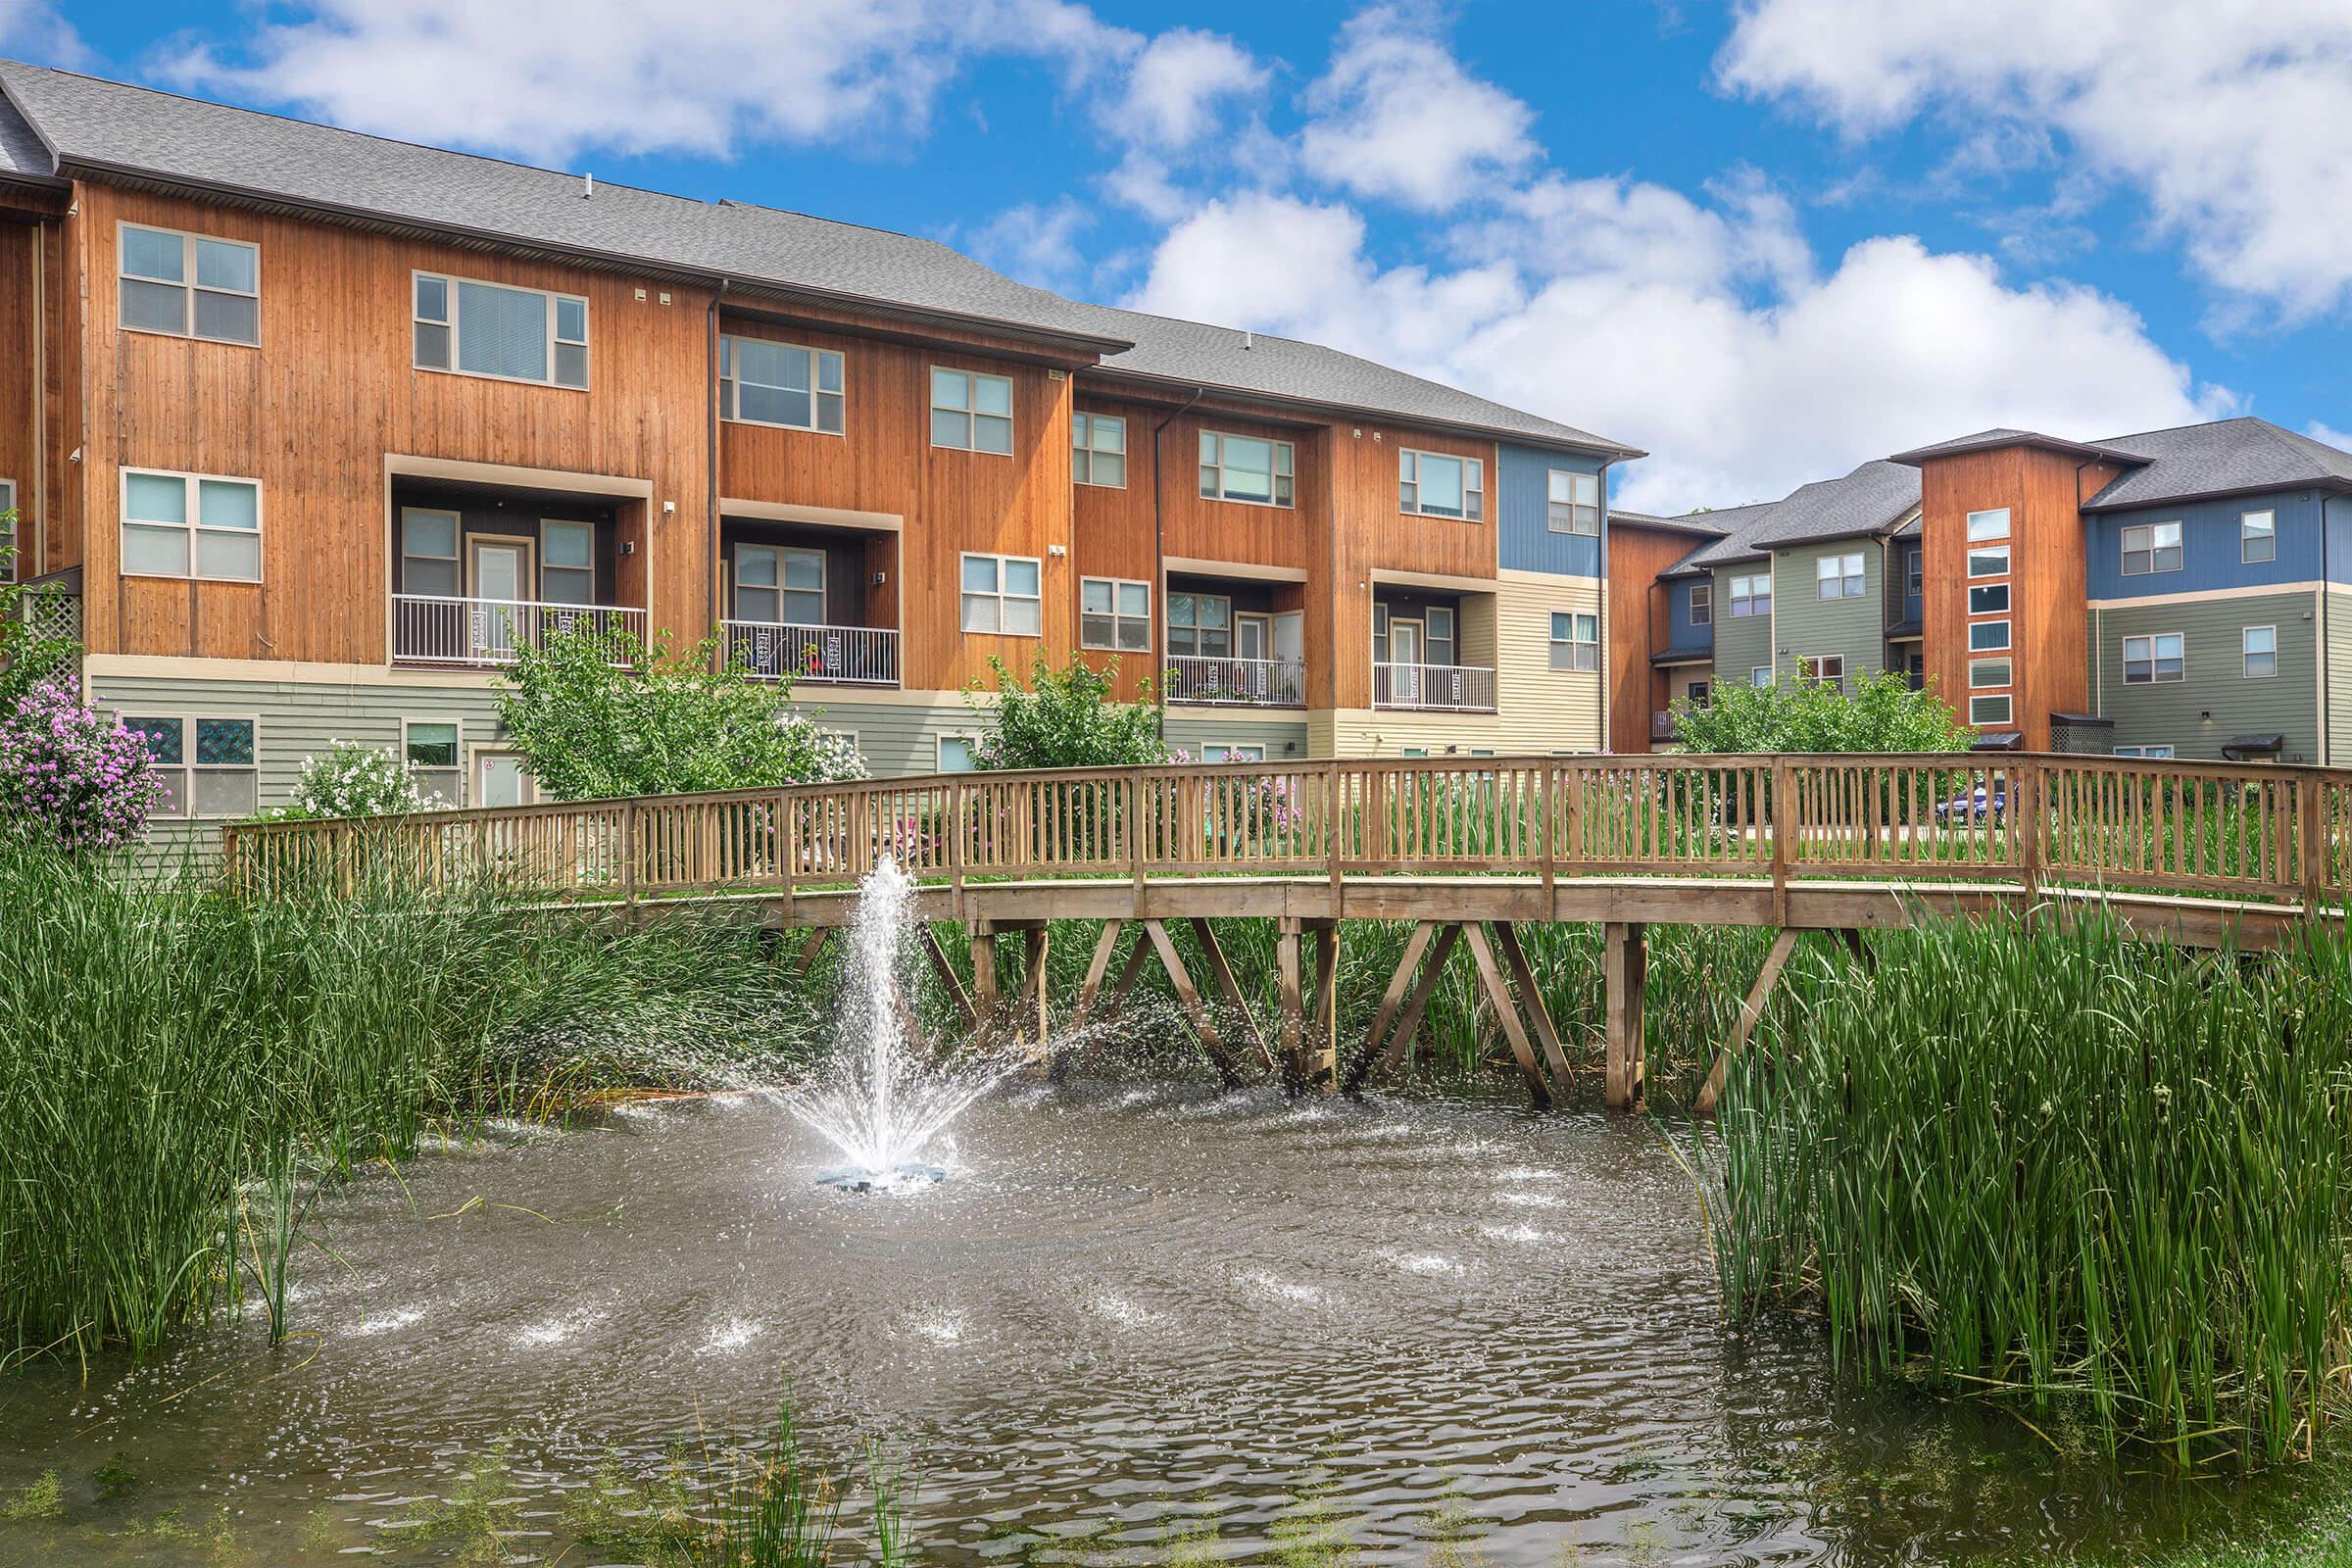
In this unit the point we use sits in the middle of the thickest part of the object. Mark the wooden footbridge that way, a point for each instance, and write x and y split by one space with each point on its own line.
1467 849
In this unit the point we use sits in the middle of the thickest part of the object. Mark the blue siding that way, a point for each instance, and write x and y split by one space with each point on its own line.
1679 632
1915 605
2210 546
1521 495
2337 510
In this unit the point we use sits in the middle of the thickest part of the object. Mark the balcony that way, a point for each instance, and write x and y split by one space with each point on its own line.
1662 724
436 629
826 656
1237 682
1442 688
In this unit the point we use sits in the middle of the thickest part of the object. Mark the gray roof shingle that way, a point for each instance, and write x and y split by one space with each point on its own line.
1871 500
105 126
1702 524
23 156
2226 457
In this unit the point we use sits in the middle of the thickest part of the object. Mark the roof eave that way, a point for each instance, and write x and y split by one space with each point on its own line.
2322 481
1918 456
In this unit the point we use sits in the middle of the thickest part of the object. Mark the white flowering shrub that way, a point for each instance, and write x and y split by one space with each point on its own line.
354 780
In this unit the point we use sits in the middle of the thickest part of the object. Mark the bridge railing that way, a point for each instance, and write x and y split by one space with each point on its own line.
2244 831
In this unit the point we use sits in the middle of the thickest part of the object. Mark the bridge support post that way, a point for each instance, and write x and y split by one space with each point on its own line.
986 998
1036 1015
1322 1045
1293 1021
1624 968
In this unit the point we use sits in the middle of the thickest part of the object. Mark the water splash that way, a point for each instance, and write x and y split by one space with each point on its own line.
876 1099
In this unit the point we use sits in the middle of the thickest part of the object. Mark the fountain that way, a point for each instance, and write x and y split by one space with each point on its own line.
876 1099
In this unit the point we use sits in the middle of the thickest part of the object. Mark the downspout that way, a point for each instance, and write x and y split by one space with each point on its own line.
1608 632
40 412
710 563
2326 741
1159 551
2096 674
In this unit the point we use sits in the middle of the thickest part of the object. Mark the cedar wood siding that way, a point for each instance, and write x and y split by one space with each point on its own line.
1636 556
1368 531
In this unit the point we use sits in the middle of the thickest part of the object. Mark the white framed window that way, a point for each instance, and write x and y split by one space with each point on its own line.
1432 484
1990 600
1114 613
207 764
1243 467
2258 652
468 327
1575 640
1437 634
1751 595
429 553
2153 753
1412 750
1201 625
1913 571
1572 502
1760 677
1234 752
2154 660
1822 670
971 412
1702 604
1994 709
781 585
191 525
1987 673
2152 547
1992 523
1987 636
567 563
959 754
1992 561
10 572
780 384
1839 576
2257 536
1099 449
1002 594
189 285
433 749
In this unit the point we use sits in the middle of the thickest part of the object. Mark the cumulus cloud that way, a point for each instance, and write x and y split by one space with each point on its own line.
1036 244
1177 84
1397 118
2229 118
35 30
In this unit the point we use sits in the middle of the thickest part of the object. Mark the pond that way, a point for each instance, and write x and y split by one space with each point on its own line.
1126 1312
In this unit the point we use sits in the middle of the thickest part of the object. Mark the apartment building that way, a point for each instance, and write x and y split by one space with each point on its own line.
319 427
2174 593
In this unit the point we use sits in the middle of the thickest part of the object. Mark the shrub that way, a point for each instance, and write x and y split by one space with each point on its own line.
1066 718
1883 714
354 780
68 777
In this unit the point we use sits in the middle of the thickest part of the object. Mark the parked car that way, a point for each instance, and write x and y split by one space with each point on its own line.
1983 804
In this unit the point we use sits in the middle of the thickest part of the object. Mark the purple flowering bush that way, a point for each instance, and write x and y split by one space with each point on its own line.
70 777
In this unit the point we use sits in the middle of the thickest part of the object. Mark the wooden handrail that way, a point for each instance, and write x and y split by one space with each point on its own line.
2027 820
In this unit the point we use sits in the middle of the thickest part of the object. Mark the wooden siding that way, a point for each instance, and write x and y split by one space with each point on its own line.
1368 532
1636 556
19 395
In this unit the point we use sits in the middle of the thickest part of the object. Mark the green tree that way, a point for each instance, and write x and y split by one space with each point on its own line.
605 713
30 652
1881 715
1066 719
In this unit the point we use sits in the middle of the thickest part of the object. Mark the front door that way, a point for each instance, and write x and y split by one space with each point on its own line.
1404 654
503 778
1290 647
498 578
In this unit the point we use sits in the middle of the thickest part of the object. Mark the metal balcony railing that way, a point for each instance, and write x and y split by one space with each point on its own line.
1662 724
834 655
1459 688
437 629
1264 682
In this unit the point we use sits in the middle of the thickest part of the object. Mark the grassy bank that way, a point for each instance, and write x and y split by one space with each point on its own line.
2103 1182
176 1069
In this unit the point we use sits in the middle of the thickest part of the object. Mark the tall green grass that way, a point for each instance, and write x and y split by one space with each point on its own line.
172 1064
2107 1183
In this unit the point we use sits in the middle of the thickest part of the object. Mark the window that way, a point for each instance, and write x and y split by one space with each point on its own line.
1201 625
2152 547
189 285
1751 595
1992 600
1255 751
782 384
1239 468
781 585
1990 562
1984 672
1992 524
1839 576
959 754
567 563
1987 636
1913 571
509 334
1099 449
1437 632
191 525
1700 691
2156 754
205 764
1825 669
1702 604
1572 502
429 553
1412 750
971 412
2258 536
431 748
1991 709
1435 485
1000 594
2258 652
8 532
2162 657
1114 613
1760 677
1574 641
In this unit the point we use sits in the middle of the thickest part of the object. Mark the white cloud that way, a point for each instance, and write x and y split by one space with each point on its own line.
1398 119
1176 86
1036 244
2339 439
2229 116
35 30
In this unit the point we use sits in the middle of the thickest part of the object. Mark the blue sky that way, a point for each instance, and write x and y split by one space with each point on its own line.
1765 242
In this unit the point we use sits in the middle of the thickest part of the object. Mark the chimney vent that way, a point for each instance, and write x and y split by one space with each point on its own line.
588 189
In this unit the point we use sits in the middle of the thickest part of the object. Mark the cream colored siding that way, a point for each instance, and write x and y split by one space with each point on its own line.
1541 709
1382 732
2339 678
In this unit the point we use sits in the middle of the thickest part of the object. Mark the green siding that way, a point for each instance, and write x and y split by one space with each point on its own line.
896 738
2173 714
2339 679
1807 625
1742 642
1243 728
